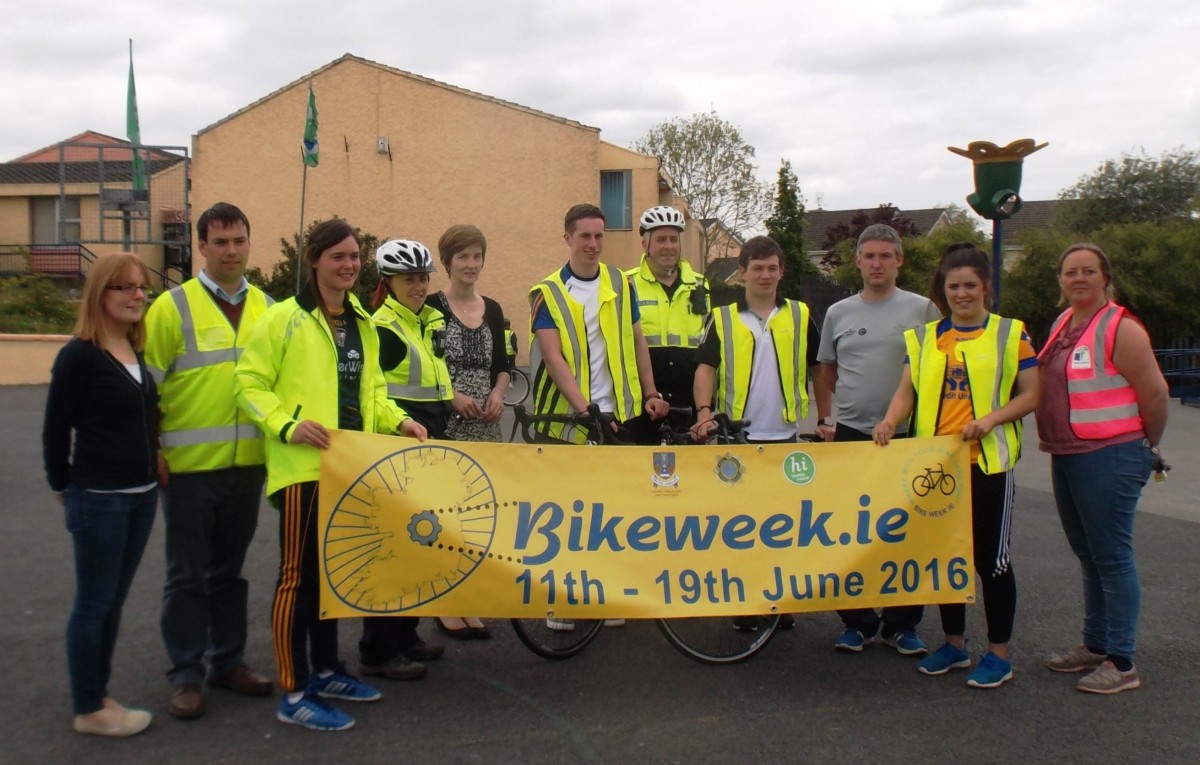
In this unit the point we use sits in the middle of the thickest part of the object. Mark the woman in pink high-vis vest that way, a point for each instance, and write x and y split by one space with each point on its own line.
1102 413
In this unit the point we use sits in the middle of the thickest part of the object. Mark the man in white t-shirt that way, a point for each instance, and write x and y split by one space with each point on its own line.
588 344
862 356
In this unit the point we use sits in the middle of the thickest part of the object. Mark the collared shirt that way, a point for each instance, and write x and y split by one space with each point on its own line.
216 289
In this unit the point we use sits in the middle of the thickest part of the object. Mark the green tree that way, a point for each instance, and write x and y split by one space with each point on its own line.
1134 189
837 254
786 226
281 282
713 168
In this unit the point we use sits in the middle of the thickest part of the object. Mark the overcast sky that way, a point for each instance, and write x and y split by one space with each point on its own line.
861 96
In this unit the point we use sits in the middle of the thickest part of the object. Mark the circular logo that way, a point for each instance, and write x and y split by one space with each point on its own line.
729 469
799 468
408 530
932 484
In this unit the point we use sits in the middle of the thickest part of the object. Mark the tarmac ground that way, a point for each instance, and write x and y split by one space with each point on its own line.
630 698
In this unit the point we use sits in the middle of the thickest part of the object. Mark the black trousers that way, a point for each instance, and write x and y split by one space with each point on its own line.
895 618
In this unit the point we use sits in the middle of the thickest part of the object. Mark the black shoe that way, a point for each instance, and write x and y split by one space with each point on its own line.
787 622
422 651
746 623
396 668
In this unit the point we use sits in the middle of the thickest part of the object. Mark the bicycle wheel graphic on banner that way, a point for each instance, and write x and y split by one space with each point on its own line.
384 515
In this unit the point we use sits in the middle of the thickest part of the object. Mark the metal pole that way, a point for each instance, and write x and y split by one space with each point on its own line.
997 249
300 235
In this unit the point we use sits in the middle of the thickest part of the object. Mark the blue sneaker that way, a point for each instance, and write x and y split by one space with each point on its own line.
339 685
944 659
907 643
312 713
992 672
853 641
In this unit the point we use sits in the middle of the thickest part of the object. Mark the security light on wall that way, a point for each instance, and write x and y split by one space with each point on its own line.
381 145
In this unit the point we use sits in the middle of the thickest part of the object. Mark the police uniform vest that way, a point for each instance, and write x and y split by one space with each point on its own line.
1101 400
789 335
616 326
422 375
202 428
992 361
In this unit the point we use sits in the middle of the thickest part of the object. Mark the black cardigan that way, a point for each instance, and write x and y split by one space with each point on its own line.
114 418
493 317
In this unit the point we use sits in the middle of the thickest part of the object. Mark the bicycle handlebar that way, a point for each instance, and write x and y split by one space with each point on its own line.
595 422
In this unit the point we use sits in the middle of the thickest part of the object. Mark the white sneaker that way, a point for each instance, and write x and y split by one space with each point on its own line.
560 625
614 622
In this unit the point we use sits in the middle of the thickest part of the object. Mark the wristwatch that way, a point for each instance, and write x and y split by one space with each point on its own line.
826 421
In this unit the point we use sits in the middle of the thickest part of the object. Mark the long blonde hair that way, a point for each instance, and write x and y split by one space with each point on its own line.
92 322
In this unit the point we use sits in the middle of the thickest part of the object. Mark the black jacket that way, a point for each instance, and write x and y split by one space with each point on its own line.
114 418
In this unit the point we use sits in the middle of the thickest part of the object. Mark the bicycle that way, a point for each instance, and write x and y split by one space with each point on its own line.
518 379
717 639
922 485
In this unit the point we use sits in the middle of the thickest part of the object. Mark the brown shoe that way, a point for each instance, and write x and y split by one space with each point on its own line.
242 680
187 701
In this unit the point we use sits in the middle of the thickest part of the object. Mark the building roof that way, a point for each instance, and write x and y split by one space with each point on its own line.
13 173
1033 216
715 227
87 147
399 72
721 270
818 222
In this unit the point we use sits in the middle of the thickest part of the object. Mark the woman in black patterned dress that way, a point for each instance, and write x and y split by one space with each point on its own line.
476 357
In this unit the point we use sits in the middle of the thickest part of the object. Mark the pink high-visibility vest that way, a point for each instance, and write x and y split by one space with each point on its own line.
1102 403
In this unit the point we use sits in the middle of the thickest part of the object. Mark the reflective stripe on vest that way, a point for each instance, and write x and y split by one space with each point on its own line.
1102 403
243 431
192 357
411 388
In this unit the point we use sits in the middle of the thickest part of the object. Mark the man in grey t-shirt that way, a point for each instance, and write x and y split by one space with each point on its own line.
861 357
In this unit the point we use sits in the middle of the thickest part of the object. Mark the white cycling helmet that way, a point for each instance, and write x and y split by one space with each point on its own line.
403 256
657 217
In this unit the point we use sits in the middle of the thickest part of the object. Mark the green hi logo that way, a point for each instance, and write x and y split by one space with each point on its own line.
799 468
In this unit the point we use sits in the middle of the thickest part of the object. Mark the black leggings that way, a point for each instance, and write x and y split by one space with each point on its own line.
992 506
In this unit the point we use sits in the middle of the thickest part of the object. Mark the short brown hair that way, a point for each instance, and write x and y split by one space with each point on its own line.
458 238
579 212
1105 267
92 322
759 248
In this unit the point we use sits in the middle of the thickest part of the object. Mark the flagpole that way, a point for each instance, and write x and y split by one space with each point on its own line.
309 155
300 236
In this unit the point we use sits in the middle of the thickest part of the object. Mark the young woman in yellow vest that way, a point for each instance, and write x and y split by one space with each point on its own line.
312 364
1102 414
410 335
973 373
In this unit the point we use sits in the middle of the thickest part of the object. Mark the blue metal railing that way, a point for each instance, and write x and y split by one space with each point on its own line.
1181 368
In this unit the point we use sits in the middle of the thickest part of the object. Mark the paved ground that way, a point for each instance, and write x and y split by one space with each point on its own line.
630 698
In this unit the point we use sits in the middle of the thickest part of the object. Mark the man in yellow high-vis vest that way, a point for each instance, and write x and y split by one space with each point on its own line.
588 344
673 301
211 464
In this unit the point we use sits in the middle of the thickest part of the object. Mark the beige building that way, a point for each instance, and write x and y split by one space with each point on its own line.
62 203
405 156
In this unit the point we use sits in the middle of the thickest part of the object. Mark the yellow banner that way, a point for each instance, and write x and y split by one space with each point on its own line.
513 530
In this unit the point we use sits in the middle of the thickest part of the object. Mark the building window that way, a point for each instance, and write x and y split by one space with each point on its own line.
69 219
616 197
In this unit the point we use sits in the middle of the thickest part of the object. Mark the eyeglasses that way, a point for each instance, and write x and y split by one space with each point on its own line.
128 289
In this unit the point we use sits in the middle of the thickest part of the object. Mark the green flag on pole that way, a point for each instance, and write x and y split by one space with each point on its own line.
132 131
309 148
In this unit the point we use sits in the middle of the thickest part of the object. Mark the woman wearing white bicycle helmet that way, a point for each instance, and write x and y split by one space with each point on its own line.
410 338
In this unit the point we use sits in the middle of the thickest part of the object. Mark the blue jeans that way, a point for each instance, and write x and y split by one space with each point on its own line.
1097 495
109 533
211 517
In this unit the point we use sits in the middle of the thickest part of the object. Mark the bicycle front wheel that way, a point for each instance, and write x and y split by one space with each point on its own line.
715 639
557 638
518 387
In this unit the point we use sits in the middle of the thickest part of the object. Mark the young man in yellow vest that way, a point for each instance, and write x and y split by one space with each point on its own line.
588 343
753 361
673 301
211 464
